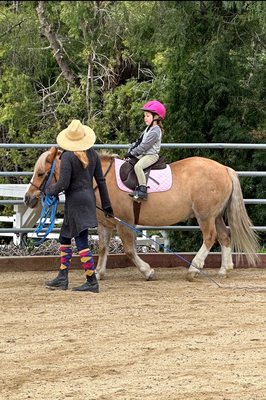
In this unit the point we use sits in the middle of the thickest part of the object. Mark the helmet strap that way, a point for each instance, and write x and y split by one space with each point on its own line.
156 117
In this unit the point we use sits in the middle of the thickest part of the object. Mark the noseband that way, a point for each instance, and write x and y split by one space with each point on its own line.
47 179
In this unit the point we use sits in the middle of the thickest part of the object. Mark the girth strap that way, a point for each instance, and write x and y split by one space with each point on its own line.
136 208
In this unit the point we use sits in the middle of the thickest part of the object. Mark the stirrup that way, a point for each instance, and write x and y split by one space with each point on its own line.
135 193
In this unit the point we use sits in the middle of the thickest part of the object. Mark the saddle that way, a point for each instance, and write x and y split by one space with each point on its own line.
127 173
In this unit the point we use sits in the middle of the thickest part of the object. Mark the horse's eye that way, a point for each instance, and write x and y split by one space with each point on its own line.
40 174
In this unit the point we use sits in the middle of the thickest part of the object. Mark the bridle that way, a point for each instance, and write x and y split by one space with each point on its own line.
47 179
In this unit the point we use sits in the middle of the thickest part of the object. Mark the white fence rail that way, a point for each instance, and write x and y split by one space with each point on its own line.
23 222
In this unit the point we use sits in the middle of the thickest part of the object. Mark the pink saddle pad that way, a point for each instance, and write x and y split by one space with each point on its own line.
159 180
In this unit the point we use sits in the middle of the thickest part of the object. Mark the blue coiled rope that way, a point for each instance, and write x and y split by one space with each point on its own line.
48 213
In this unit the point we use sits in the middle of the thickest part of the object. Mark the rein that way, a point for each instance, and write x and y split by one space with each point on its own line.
106 172
49 208
136 206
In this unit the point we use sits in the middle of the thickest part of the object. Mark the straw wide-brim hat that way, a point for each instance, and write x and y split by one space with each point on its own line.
76 137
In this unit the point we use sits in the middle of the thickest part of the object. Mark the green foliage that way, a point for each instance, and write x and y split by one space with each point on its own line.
216 90
123 105
205 60
18 104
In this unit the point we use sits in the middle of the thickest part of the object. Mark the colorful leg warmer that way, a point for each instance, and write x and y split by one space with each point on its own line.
65 255
87 261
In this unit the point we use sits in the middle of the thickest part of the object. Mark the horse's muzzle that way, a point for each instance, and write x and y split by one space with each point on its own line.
30 201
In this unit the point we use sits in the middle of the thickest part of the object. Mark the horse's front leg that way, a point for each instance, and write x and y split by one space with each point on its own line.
198 262
129 244
104 240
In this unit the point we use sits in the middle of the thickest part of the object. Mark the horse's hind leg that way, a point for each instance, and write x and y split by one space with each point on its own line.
129 244
209 236
223 236
104 240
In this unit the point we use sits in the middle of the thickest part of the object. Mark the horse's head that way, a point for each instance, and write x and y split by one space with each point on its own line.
40 176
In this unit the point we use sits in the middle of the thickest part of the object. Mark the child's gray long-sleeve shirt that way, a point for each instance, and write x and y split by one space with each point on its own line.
150 144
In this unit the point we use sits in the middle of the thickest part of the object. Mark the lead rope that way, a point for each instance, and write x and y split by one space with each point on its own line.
256 288
48 213
161 245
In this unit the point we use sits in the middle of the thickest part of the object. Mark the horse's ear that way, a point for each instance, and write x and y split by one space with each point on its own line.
52 154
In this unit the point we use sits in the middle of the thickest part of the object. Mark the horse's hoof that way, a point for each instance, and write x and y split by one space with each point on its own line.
222 275
99 276
190 276
230 267
152 276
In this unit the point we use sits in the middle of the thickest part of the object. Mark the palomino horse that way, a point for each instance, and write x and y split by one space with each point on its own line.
201 188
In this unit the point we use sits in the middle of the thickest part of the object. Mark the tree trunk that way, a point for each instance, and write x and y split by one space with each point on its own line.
55 44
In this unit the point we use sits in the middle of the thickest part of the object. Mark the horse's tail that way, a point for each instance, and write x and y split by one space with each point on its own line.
243 238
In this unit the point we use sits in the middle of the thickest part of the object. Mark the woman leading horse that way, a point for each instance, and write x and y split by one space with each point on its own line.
201 188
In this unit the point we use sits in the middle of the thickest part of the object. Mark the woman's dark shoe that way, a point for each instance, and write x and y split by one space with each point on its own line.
87 287
60 282
91 285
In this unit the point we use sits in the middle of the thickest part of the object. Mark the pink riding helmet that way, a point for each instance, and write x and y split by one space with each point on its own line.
154 106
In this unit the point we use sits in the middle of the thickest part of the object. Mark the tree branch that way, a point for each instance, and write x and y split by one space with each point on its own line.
55 44
11 28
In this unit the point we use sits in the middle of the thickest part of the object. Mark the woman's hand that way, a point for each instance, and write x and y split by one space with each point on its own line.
108 212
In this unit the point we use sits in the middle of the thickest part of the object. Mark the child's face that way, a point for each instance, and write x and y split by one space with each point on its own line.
148 117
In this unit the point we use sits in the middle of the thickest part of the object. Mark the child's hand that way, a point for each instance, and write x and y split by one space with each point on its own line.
128 155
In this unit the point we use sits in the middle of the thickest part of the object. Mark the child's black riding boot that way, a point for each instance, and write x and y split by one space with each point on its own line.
142 192
60 282
91 285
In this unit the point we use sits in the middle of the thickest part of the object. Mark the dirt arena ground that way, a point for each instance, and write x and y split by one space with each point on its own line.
166 340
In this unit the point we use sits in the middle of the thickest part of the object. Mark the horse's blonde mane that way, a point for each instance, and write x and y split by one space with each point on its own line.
41 160
106 156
